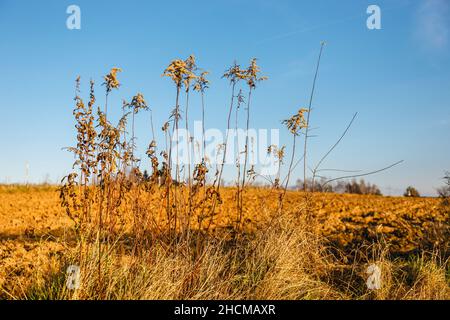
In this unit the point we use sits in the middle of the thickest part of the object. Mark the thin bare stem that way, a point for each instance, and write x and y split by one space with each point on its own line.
226 135
280 206
246 155
151 123
309 115
332 148
363 175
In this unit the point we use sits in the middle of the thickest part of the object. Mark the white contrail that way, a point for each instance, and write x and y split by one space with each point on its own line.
361 17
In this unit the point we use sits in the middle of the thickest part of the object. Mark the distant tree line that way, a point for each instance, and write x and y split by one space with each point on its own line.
354 186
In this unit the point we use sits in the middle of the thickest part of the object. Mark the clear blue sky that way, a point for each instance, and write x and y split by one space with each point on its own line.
396 78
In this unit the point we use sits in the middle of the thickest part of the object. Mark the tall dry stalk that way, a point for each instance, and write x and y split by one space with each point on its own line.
111 82
234 74
294 124
309 115
201 84
180 71
201 170
175 71
240 101
137 104
252 77
188 78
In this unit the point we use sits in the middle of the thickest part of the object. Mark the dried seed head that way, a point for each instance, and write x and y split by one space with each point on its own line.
252 74
111 81
297 122
200 172
280 153
235 73
201 83
137 103
181 71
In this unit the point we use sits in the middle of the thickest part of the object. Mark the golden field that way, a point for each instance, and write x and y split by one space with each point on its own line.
35 232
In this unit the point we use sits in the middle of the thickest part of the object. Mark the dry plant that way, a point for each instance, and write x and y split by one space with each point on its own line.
295 125
252 77
153 236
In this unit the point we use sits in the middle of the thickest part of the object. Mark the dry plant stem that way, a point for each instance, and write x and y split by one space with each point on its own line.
132 140
121 148
174 129
137 223
166 182
308 118
106 105
227 134
100 226
204 145
280 206
189 164
238 165
102 195
316 168
364 174
282 192
200 220
203 141
213 207
245 158
203 129
151 123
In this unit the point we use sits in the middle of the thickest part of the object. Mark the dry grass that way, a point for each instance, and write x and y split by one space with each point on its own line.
284 261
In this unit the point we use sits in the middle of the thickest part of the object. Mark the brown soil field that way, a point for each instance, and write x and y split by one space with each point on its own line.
34 228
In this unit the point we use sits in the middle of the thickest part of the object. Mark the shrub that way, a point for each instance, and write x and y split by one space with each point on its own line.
411 192
444 192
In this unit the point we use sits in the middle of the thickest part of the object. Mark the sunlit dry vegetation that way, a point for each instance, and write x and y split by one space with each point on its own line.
176 232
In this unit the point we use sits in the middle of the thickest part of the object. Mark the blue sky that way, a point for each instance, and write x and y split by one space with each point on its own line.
396 78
